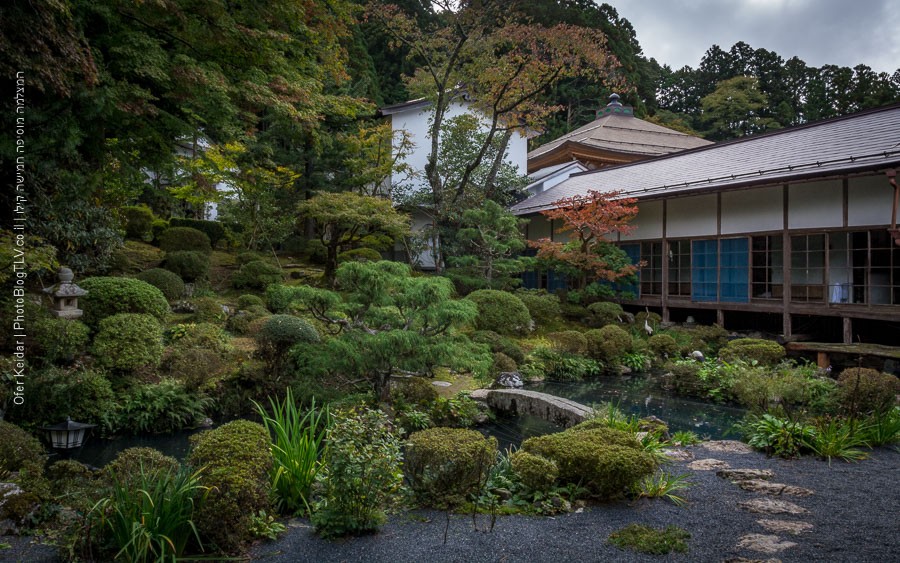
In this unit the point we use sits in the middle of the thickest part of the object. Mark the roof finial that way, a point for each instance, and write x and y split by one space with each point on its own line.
614 100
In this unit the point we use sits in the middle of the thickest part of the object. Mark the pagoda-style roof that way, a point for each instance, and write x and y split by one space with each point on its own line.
615 137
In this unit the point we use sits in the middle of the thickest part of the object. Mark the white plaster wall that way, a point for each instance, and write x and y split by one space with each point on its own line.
419 221
691 216
816 205
752 211
869 201
416 123
648 223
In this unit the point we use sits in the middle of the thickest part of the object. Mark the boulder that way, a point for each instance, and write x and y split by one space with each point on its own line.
764 543
510 380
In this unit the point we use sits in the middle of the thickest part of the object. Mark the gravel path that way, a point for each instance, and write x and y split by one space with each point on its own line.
853 514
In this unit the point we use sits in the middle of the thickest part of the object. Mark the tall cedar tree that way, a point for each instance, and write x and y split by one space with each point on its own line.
589 220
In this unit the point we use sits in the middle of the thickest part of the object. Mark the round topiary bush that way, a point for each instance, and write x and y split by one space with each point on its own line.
542 306
570 341
653 319
256 275
246 302
279 334
445 465
138 222
765 352
536 472
863 391
130 462
608 344
19 449
503 363
60 340
360 255
605 461
109 296
207 310
237 462
213 229
603 313
663 345
191 266
157 228
499 344
500 312
178 239
82 394
128 341
168 282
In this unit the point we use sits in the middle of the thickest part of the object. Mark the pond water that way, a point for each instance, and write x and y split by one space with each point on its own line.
640 394
98 452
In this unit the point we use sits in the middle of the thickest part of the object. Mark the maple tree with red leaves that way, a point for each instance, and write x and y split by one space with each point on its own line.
589 220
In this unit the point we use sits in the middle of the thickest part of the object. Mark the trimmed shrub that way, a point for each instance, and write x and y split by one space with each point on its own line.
415 391
168 282
570 341
246 302
109 296
256 275
663 345
864 391
605 461
213 229
503 363
279 334
710 338
603 313
191 266
359 255
500 312
445 465
653 319
61 339
138 222
82 394
608 344
248 256
559 366
542 306
207 310
361 475
536 472
184 239
237 461
765 352
243 321
279 298
19 449
499 344
157 228
130 462
128 341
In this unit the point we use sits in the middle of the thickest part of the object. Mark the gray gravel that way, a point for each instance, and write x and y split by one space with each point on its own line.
854 513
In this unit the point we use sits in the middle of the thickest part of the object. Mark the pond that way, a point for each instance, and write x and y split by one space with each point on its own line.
98 452
639 394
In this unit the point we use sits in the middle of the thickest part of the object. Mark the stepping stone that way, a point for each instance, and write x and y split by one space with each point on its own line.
727 446
479 394
678 455
441 383
768 488
745 474
707 465
785 526
772 506
745 560
764 543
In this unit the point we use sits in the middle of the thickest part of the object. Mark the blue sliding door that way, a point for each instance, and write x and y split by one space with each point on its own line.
704 264
734 273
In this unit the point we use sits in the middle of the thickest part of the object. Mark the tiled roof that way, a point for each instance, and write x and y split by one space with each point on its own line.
863 141
624 134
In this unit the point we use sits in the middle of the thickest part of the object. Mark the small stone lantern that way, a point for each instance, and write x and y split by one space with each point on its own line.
65 295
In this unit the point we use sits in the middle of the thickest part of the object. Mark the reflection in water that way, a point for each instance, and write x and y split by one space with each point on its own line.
639 395
97 452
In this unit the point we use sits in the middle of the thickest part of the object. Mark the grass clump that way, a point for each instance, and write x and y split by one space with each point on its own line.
653 541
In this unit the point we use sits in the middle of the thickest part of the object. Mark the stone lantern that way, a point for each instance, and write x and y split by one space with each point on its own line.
65 295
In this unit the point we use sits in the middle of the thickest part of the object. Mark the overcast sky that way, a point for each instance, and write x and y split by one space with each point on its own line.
844 33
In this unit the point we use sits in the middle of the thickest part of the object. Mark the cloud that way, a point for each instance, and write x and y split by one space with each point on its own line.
678 32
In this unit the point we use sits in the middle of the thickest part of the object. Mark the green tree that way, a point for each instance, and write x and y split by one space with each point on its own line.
344 219
490 238
735 109
389 320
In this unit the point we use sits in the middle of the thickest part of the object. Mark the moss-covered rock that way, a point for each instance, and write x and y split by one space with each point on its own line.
765 352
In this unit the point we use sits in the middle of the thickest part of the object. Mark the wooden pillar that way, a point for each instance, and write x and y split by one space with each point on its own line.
785 267
664 295
720 317
848 330
822 360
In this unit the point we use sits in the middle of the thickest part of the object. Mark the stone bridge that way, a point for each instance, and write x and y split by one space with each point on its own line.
553 409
